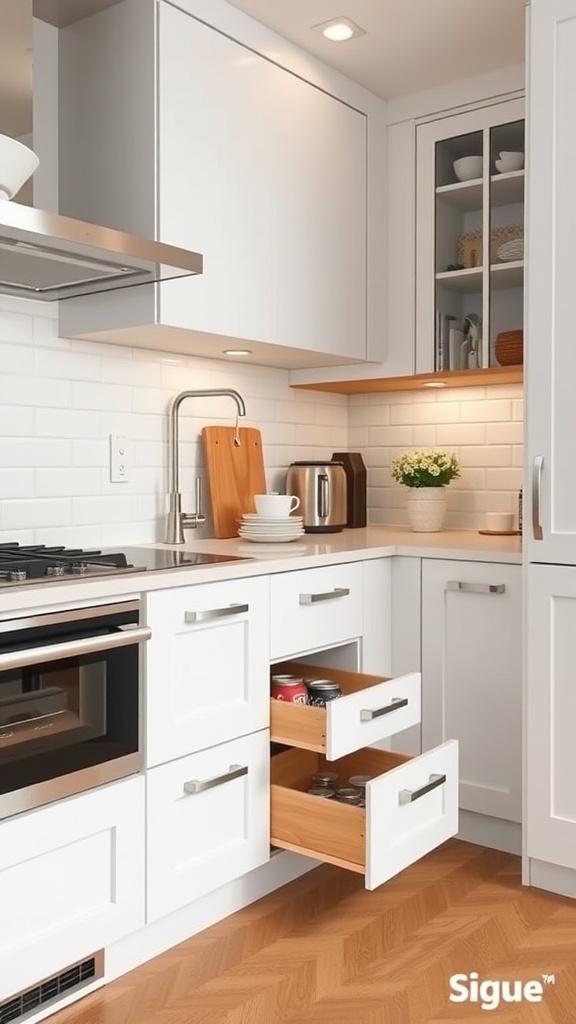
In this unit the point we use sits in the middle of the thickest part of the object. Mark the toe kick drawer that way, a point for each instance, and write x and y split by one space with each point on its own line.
371 709
411 808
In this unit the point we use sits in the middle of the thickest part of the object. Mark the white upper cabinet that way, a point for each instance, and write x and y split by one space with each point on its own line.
222 149
550 485
470 239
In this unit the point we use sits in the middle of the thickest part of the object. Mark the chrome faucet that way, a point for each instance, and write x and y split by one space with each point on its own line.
179 521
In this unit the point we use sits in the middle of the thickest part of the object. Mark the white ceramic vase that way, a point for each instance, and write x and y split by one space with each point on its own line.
426 507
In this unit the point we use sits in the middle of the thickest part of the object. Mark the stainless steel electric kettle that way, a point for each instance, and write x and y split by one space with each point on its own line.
321 487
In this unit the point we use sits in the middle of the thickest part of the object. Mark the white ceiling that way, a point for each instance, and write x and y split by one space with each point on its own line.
410 45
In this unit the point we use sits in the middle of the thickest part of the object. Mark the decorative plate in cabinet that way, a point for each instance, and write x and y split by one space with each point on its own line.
371 708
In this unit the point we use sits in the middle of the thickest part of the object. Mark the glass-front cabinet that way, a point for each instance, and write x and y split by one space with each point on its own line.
470 240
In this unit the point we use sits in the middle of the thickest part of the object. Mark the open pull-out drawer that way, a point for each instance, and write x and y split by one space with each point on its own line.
371 709
411 808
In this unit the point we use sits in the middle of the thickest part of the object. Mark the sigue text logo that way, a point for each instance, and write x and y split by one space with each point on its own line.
466 988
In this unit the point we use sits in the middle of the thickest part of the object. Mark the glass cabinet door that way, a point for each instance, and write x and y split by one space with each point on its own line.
470 248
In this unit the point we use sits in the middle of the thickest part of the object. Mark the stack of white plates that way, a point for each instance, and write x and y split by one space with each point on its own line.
270 530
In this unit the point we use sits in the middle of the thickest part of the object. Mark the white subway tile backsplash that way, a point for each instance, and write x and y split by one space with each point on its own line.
67 423
60 399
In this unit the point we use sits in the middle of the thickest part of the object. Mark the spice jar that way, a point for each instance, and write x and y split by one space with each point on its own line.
325 779
348 795
324 791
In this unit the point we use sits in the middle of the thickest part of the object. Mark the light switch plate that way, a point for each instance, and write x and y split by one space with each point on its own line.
119 459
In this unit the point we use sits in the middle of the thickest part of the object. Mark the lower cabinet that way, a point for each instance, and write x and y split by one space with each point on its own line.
411 803
550 715
71 881
208 821
471 677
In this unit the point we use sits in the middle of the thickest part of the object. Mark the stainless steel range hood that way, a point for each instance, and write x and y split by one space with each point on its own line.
48 256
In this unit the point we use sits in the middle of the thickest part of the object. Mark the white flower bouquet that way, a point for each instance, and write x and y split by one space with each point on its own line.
425 467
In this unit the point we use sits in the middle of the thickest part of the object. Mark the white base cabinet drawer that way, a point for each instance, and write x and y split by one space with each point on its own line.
371 709
314 608
208 821
207 672
411 808
71 881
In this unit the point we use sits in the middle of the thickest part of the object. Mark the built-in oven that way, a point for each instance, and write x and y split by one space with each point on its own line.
70 702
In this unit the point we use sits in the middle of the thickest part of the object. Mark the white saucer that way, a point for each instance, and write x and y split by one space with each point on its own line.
265 539
253 517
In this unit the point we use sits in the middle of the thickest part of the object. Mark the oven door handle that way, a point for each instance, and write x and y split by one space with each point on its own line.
74 648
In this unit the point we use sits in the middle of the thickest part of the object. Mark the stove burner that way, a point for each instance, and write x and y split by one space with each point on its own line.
37 563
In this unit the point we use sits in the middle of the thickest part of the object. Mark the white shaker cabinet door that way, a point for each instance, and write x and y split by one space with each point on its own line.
71 881
267 174
550 480
550 715
208 821
471 677
207 672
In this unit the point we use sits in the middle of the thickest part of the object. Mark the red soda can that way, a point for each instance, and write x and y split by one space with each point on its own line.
289 688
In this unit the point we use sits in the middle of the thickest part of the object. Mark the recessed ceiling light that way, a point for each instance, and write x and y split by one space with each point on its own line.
339 30
237 352
434 384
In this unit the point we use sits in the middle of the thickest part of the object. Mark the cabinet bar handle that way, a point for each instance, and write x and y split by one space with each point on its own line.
476 588
369 714
313 598
537 465
216 613
194 786
408 796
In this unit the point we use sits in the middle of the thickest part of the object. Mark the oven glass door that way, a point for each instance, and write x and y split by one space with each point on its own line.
69 702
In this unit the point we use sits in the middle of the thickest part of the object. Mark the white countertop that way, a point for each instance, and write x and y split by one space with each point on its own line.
311 550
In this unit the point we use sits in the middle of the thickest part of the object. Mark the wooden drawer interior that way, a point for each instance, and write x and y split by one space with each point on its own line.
315 827
302 725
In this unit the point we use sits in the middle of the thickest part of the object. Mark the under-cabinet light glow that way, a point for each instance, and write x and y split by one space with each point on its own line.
339 30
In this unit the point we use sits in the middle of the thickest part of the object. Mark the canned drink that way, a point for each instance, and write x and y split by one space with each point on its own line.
292 689
322 691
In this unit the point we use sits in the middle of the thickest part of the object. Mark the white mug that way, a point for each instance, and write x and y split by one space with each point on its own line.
500 522
276 506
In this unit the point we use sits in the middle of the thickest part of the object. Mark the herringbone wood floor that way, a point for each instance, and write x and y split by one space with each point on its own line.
322 950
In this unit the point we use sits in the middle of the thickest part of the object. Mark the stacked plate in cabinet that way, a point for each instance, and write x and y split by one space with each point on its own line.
270 530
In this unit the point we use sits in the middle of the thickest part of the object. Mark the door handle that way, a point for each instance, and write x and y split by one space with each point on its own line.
537 467
408 796
195 786
215 613
476 588
328 596
369 714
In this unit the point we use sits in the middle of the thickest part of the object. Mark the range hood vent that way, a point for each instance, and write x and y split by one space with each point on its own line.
48 256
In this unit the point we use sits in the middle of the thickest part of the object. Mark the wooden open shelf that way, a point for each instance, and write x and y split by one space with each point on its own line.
419 381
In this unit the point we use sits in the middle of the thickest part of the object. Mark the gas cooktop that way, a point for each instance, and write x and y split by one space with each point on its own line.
38 563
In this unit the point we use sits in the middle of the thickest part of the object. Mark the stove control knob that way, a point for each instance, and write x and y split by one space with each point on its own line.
18 575
80 568
55 570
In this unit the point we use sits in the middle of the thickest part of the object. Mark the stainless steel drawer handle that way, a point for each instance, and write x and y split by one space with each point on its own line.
369 714
537 467
216 613
328 596
476 588
75 648
408 796
194 786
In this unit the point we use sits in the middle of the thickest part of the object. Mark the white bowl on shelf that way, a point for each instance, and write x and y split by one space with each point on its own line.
509 161
468 167
17 164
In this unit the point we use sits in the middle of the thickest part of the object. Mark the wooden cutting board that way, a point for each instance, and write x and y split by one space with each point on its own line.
235 475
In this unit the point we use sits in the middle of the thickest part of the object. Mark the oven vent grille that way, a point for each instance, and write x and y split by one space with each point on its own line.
76 976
